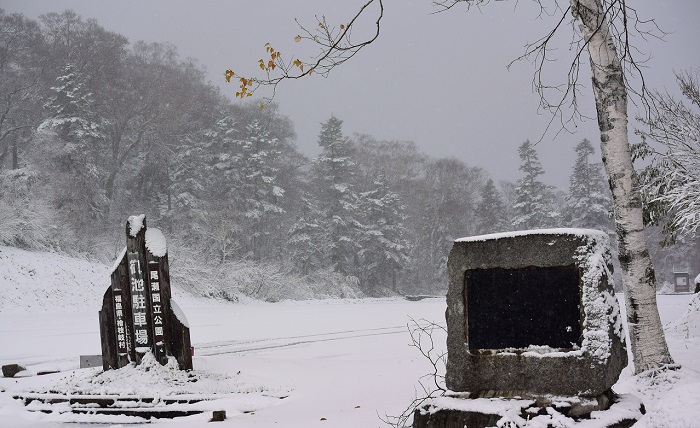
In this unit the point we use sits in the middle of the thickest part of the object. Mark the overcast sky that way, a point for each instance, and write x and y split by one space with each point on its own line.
437 79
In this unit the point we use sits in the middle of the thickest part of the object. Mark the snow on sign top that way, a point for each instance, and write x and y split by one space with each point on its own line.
155 242
135 224
118 260
558 231
179 314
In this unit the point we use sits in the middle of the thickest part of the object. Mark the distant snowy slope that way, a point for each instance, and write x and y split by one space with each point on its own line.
38 281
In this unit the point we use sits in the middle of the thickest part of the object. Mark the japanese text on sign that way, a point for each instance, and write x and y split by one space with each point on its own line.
138 299
156 304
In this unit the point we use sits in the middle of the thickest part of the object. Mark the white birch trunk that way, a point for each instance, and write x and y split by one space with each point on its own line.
648 343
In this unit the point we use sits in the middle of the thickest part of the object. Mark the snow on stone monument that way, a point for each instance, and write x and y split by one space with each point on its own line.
138 314
531 315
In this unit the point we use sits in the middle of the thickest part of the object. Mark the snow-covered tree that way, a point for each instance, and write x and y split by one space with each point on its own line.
334 173
446 199
597 25
588 202
383 248
71 107
533 207
306 239
70 143
671 141
258 193
491 214
20 103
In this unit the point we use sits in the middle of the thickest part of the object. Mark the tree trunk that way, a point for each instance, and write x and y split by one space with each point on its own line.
647 339
15 157
3 155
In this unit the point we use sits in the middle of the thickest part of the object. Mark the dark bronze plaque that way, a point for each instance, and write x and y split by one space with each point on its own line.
516 308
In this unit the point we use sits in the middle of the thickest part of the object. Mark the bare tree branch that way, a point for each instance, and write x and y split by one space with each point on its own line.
422 338
336 47
558 98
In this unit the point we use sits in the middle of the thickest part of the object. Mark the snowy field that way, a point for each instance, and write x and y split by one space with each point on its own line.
337 363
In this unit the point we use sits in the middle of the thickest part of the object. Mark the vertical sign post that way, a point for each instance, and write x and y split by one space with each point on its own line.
139 301
123 344
156 308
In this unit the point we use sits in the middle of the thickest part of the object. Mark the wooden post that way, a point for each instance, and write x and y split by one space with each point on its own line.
107 332
140 295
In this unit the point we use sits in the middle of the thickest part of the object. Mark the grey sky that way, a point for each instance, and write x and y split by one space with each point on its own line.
437 79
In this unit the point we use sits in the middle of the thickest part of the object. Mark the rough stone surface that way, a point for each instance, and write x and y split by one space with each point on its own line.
446 418
218 416
588 370
432 416
10 370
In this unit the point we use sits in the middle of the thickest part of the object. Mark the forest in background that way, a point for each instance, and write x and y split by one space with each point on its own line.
94 129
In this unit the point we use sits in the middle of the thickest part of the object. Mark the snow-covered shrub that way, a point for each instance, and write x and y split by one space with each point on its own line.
688 325
665 288
273 283
190 272
26 220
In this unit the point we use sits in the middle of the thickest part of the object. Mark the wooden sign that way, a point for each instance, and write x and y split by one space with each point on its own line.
137 316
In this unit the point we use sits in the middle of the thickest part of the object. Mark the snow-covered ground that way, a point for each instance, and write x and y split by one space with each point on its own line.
338 363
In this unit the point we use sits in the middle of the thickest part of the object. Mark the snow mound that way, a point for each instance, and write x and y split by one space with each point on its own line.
688 325
49 281
39 281
670 396
149 378
672 410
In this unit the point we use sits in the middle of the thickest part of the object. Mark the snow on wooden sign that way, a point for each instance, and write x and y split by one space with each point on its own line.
138 315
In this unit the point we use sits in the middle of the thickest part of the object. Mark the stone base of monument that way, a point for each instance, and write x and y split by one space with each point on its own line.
491 408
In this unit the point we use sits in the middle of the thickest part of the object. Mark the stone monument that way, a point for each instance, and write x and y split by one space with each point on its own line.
532 315
138 314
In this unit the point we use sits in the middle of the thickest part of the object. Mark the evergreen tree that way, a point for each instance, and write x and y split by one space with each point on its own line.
71 107
334 171
588 203
72 148
384 250
305 239
533 206
491 215
258 191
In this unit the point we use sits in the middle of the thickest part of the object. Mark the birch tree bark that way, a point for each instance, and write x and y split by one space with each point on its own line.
649 348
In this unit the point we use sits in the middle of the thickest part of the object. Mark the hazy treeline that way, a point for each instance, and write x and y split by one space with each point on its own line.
93 129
